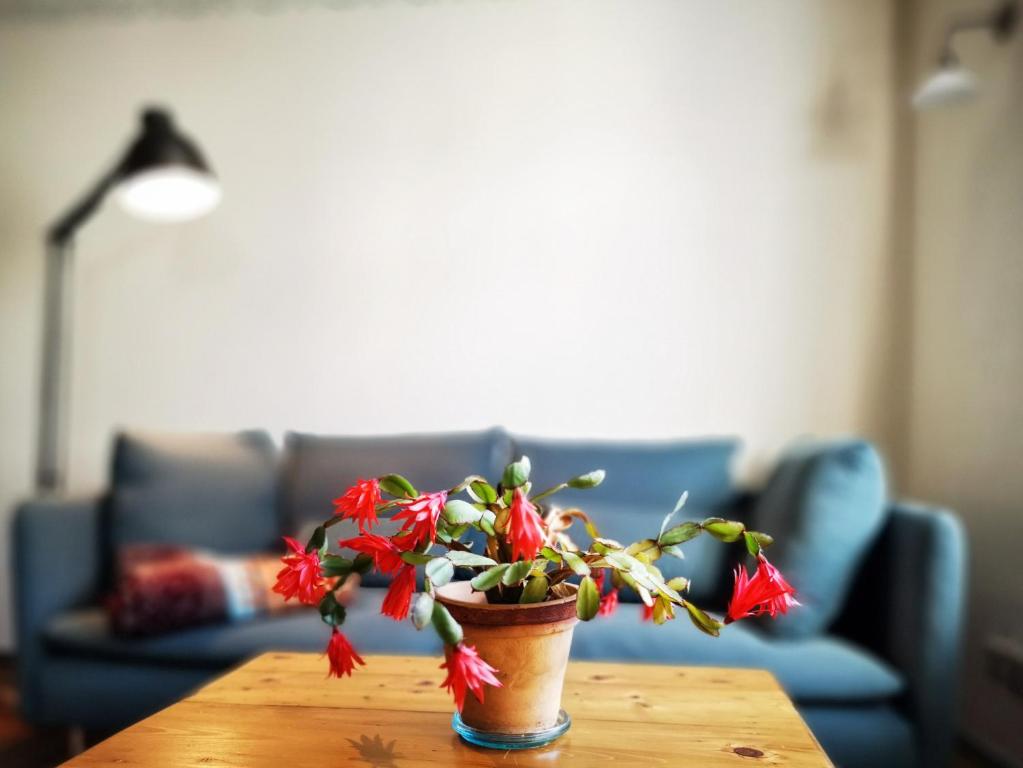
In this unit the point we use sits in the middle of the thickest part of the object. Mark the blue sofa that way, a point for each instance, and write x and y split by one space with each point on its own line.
876 682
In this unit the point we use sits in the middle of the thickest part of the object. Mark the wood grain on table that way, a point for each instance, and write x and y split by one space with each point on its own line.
281 710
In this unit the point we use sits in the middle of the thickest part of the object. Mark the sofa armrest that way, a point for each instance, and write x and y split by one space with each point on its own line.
57 566
907 606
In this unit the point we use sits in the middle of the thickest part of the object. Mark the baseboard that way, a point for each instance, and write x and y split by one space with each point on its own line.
990 752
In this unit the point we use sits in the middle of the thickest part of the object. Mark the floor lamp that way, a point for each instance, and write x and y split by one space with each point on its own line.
162 177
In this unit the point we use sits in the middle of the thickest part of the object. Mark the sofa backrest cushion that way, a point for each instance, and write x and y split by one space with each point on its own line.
824 505
214 491
643 482
318 468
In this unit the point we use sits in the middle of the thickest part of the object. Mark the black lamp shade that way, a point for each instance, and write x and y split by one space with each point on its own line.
160 144
163 175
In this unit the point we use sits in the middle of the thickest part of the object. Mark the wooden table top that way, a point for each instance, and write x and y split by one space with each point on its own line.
280 710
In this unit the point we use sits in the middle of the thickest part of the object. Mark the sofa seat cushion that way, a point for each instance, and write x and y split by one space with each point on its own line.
821 669
644 480
86 633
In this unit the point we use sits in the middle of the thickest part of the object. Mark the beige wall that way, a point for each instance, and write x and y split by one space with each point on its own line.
966 436
573 217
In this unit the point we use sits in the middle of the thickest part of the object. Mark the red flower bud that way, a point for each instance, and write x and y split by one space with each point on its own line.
399 595
525 529
466 671
342 656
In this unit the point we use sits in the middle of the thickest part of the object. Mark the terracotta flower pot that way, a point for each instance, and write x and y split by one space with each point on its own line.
528 645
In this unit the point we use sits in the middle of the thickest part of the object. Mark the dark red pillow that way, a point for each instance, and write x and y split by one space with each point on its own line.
162 588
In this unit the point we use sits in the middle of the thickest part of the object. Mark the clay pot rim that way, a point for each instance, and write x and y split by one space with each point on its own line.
467 612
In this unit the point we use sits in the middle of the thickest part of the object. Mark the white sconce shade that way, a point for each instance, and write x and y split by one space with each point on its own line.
949 85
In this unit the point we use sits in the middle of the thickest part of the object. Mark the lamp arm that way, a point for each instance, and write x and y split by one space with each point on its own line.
1001 23
62 230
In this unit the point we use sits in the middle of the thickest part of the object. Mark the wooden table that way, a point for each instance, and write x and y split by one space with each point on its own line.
279 710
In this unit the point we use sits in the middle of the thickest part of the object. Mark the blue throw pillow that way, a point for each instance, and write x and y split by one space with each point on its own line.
824 505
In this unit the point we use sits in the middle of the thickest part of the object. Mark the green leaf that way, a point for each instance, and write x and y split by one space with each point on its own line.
362 563
439 571
450 631
588 602
396 485
762 539
416 558
664 610
535 590
702 621
335 565
576 563
487 523
646 549
458 512
674 551
723 530
679 584
551 554
752 545
482 492
681 533
516 474
317 540
468 559
667 518
603 546
490 578
422 610
516 572
589 480
331 611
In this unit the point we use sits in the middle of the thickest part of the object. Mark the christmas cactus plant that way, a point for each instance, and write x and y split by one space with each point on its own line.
525 555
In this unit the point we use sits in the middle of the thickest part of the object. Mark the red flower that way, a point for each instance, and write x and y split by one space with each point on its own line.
399 594
608 603
466 671
359 503
646 612
342 656
785 599
301 576
764 592
420 515
525 531
385 552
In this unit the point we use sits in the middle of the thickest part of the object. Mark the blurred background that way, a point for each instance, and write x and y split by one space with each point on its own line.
607 219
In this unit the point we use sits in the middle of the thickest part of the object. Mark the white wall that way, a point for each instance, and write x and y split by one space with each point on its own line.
573 217
966 436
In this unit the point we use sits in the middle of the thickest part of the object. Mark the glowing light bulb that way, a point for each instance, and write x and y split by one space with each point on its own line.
169 193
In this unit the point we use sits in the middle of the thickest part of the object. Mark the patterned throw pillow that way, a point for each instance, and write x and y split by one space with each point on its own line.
164 588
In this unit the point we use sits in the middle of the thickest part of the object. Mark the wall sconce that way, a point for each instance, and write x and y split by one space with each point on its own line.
952 83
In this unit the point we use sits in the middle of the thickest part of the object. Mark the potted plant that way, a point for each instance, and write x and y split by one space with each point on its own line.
507 629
